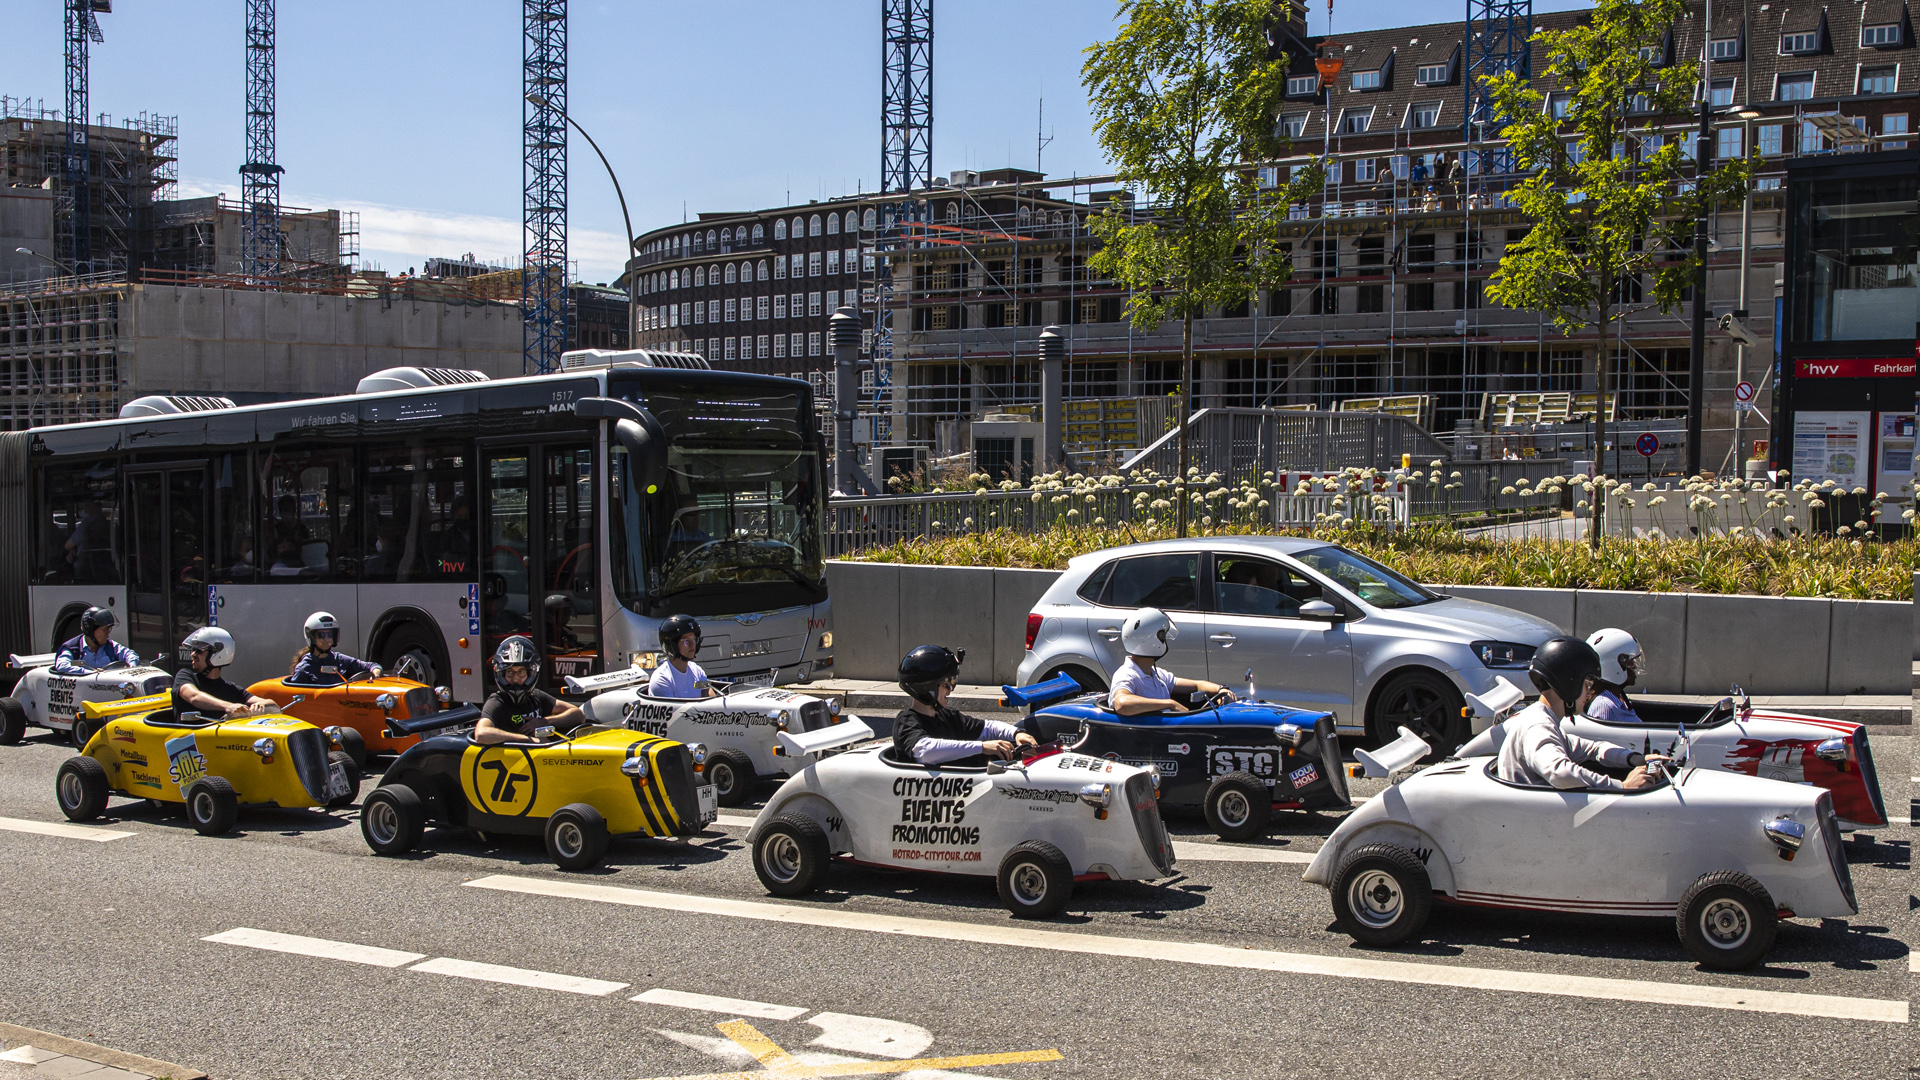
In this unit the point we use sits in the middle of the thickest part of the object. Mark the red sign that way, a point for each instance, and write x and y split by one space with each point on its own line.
1855 368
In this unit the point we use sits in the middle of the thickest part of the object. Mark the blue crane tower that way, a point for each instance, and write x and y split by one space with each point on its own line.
73 206
260 243
543 278
1497 33
906 155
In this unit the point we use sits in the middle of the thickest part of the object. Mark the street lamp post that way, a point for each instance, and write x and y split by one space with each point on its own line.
633 249
59 264
1697 369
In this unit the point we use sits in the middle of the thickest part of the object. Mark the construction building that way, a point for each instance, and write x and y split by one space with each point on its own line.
1386 307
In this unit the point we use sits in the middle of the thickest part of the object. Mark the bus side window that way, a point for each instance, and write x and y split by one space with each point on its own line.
311 518
80 525
418 505
236 558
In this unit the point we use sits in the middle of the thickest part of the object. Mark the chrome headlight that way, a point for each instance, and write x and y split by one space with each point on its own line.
264 747
333 735
1153 773
1831 750
386 701
698 751
1787 835
635 767
1098 796
1290 734
444 694
833 706
1503 654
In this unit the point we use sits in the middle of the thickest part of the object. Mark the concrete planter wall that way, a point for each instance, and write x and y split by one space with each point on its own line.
1695 643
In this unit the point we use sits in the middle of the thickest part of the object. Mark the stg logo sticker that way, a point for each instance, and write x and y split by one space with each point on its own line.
1261 761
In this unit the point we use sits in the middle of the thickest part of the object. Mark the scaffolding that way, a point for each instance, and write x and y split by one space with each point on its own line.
59 351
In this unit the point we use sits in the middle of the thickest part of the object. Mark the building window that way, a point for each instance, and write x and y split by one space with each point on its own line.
1768 138
1302 85
759 235
780 306
799 344
1560 105
760 308
762 352
1854 275
1367 80
799 228
833 261
1801 42
729 353
813 226
1639 103
798 301
1724 49
1723 91
712 240
779 268
1797 86
813 264
1727 146
953 213
730 275
698 244
1881 36
780 229
833 301
813 303
730 310
846 261
700 275
1356 121
833 224
813 344
779 346
1430 74
1294 125
1365 170
746 272
1424 114
1878 80
1894 124
673 279
868 220
799 261
763 269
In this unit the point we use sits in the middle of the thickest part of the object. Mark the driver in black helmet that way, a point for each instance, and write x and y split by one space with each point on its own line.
679 677
518 708
931 732
95 648
1538 753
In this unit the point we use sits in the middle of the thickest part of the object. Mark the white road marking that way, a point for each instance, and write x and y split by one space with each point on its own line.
733 821
513 976
1181 952
247 937
870 1035
680 999
1203 852
60 828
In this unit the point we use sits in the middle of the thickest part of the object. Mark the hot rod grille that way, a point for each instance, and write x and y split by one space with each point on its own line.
1836 855
1863 756
673 768
1146 820
308 749
1336 769
421 702
814 715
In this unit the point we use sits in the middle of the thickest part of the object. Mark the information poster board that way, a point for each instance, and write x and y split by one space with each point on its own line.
1834 446
1893 468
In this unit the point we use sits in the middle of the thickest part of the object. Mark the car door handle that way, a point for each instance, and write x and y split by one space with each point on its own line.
1223 638
1111 633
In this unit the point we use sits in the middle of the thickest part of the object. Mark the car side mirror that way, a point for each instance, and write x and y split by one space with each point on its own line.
1320 609
1198 697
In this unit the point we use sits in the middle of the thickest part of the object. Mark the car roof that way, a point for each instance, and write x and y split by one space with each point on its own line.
1244 545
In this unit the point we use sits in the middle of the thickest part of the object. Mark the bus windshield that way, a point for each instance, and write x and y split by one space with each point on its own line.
737 504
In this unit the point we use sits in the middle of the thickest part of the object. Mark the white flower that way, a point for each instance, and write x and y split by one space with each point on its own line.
1073 513
1099 521
1508 490
1661 500
1789 518
968 522
1346 523
1208 520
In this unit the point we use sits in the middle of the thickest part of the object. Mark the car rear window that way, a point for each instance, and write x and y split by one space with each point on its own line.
1162 581
1096 581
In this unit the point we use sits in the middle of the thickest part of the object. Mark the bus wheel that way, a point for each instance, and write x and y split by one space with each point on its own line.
409 654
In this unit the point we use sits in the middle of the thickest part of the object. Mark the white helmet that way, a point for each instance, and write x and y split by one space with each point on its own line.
1621 659
322 622
1148 632
219 643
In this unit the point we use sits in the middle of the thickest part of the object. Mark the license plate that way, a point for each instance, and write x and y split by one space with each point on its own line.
749 682
709 803
336 781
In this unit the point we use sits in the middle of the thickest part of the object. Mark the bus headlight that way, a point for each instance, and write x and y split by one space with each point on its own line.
826 641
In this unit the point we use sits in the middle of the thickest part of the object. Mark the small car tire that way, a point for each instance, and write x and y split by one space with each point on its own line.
13 721
1727 921
82 732
738 772
791 855
392 819
1237 806
212 806
81 787
576 837
1035 880
353 779
1382 895
1427 703
354 745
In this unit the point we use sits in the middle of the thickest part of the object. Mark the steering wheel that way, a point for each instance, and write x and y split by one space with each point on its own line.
560 575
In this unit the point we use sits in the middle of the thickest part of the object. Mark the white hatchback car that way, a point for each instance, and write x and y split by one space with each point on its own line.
1318 626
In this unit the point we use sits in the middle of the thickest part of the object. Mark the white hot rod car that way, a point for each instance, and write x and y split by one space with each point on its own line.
42 699
1725 855
1037 825
739 727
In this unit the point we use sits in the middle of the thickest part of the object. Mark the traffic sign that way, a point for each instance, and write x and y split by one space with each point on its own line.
1648 444
1743 392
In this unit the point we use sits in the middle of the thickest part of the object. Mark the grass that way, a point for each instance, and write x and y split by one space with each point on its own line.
1837 567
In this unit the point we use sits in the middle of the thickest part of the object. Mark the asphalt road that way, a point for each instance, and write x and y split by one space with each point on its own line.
1233 969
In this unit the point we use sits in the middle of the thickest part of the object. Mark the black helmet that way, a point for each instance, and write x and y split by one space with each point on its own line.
675 627
516 651
94 618
925 668
1563 665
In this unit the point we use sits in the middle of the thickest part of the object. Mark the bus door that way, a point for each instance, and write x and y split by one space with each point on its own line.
538 566
167 536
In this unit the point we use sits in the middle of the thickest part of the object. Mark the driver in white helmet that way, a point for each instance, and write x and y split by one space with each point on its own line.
1141 685
319 664
519 708
1621 662
200 688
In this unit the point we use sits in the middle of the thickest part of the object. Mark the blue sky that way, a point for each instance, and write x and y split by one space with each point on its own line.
408 111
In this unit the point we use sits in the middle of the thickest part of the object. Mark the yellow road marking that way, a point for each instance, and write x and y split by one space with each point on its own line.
781 1065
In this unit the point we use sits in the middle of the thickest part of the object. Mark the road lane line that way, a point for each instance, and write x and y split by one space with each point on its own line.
1199 852
59 828
733 821
249 938
1181 952
513 976
681 999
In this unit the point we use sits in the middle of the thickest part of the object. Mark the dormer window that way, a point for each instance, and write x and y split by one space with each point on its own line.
1302 85
1883 36
1560 105
1367 80
1797 44
1294 125
1356 121
1795 86
1723 49
1431 74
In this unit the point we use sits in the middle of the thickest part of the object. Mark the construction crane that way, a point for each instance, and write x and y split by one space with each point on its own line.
906 158
543 277
1497 33
260 241
74 212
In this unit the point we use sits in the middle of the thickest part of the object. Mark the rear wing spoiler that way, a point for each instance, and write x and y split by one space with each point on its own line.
831 737
458 716
1485 709
1040 695
31 660
98 710
606 680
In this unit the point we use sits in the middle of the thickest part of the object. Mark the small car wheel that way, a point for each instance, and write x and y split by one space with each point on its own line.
1727 921
1382 895
1035 880
345 760
354 745
1427 703
13 721
81 786
212 806
791 855
1237 806
392 819
82 732
732 775
576 837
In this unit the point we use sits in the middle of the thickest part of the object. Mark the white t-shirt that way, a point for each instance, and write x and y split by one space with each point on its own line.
1138 681
670 682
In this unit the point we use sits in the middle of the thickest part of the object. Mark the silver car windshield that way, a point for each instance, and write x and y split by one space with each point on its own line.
1365 578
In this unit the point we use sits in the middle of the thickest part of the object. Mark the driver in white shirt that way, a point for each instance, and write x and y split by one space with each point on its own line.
1141 685
1538 753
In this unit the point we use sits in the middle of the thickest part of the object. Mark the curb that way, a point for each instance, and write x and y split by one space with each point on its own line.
119 1059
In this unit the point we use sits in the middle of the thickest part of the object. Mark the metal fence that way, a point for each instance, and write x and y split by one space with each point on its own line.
1244 444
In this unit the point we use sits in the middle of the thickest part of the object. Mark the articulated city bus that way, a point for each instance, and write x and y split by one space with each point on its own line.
436 512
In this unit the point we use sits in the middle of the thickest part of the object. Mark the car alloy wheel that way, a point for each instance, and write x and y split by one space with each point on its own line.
1375 898
382 821
780 857
1726 923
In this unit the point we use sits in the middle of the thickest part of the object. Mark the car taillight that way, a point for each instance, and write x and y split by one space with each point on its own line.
1033 628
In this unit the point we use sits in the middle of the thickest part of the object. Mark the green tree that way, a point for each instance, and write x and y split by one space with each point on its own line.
1185 100
1612 198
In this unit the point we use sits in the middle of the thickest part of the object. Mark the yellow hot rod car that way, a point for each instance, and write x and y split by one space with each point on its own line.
140 749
